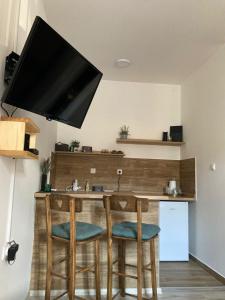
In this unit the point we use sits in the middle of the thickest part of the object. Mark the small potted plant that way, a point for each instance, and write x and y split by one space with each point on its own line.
124 132
74 146
45 168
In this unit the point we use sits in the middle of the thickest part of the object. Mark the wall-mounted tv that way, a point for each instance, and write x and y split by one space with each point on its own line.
52 78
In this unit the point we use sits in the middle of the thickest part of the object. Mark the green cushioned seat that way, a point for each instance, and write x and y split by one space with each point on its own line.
129 230
84 231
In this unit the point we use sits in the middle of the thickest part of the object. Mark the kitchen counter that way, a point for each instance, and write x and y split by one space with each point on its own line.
93 212
139 194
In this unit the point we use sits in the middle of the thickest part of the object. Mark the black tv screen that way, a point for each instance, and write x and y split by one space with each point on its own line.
52 78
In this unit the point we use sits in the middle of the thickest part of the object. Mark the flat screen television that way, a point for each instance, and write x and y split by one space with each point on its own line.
52 78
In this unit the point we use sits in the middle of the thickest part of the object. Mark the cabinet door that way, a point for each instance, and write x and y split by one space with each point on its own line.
173 240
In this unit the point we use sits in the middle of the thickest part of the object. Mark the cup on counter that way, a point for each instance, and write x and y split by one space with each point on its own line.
48 188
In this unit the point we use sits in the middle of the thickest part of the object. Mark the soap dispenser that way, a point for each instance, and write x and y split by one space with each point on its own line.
87 188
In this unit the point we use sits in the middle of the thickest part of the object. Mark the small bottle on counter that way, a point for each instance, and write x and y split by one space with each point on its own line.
87 187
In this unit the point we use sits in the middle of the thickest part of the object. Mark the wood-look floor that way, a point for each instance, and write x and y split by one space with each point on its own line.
183 281
186 274
213 293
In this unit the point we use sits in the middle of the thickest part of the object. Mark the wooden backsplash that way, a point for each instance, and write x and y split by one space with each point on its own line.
188 176
138 174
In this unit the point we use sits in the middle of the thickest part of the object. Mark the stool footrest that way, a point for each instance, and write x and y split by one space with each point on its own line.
86 269
61 295
117 293
124 275
131 266
135 296
59 275
146 267
59 261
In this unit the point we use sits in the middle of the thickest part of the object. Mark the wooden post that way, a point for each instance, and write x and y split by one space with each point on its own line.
97 271
49 250
153 269
109 248
139 250
72 251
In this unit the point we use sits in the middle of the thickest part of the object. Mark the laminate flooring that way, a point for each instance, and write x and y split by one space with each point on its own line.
186 274
215 293
182 281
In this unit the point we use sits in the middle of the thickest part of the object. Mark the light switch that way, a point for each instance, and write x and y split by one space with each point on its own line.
213 167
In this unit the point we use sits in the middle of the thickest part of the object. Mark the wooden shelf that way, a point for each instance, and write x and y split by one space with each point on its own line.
149 142
78 153
17 134
30 126
18 154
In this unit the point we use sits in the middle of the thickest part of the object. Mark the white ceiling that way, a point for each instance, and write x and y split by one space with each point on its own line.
166 40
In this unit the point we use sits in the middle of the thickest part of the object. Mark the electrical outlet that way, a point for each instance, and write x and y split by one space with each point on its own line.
119 171
93 170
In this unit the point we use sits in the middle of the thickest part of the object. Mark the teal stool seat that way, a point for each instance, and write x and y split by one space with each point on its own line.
84 231
129 230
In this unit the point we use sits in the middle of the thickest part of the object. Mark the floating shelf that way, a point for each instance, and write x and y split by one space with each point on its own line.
30 126
78 153
18 154
17 134
149 142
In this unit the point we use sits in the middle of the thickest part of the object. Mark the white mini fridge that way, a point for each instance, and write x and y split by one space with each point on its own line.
173 239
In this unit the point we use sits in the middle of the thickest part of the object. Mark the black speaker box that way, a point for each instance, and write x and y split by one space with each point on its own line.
176 133
61 147
27 142
10 65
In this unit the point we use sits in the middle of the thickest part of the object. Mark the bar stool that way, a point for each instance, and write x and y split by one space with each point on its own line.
72 233
130 231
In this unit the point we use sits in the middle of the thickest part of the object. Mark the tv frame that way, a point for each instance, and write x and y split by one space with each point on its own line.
19 64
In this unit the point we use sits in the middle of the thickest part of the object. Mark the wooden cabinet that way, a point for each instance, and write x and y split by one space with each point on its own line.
13 132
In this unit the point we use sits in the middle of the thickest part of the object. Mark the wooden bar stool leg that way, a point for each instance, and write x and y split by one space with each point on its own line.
139 270
68 268
121 265
109 279
72 272
97 271
153 269
49 269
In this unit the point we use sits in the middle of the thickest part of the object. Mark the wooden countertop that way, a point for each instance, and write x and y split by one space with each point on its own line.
100 195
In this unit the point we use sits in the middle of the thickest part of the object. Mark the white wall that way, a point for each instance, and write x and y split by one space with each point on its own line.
14 280
147 108
203 117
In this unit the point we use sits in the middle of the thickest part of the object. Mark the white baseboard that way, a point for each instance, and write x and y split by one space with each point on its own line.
91 292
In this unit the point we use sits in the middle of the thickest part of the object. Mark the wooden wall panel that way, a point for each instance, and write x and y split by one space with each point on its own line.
187 176
149 175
